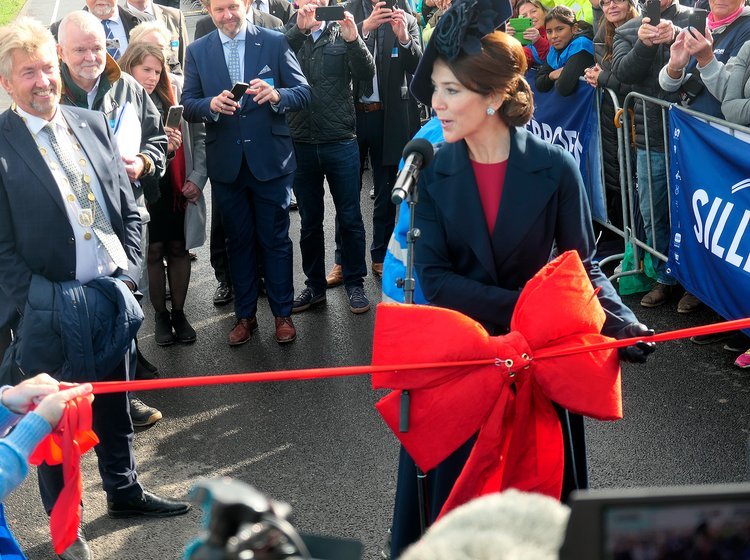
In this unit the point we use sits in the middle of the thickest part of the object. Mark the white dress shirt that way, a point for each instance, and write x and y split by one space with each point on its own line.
92 259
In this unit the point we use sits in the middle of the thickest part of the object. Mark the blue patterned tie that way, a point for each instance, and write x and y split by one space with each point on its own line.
112 42
233 61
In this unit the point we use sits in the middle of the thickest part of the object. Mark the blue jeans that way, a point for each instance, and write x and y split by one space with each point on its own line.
655 193
339 163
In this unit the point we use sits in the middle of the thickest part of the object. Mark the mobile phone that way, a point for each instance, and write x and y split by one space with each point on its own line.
520 25
174 116
329 13
652 10
238 90
697 20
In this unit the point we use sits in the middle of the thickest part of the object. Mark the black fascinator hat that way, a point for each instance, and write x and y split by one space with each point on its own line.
460 30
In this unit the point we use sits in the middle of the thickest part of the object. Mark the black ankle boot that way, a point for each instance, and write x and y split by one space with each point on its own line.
163 329
183 332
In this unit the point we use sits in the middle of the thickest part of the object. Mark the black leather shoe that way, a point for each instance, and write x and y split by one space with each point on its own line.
223 294
79 550
149 505
143 368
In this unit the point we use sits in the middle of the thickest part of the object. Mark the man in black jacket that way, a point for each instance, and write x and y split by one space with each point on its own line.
640 51
387 115
331 55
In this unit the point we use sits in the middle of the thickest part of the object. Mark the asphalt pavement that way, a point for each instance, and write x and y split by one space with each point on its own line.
321 446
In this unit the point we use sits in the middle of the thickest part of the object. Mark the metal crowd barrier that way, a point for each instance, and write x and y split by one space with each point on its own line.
627 173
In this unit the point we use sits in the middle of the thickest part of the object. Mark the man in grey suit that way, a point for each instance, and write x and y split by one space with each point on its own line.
67 213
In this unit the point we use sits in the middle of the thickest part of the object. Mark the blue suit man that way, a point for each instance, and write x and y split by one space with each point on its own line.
250 153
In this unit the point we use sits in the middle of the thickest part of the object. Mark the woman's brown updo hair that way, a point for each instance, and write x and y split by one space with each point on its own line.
499 69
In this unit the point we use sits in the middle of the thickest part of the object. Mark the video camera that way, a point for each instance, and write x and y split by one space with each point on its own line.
243 524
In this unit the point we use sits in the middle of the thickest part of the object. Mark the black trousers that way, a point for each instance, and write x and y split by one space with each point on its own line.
111 422
370 131
218 244
405 529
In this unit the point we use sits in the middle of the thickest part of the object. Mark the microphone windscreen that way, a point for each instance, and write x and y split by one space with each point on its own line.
421 146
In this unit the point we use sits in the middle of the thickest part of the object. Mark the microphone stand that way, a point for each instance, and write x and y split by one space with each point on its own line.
408 284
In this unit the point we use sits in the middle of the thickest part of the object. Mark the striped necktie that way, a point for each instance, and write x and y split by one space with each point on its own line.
101 226
113 43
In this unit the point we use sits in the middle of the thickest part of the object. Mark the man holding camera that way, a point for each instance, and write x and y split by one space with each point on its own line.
331 55
249 152
387 115
641 49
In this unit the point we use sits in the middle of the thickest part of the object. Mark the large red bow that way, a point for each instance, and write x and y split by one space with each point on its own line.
71 438
519 442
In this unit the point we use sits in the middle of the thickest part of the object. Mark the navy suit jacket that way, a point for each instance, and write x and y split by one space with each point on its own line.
35 234
257 131
462 266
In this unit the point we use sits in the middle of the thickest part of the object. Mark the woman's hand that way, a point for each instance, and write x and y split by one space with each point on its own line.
52 406
174 137
591 75
678 55
700 46
637 353
532 34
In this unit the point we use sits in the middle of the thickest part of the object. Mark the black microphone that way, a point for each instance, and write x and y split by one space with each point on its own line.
417 154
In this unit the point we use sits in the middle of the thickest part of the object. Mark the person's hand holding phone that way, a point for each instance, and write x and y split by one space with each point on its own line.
224 103
348 28
532 35
306 17
398 24
381 14
700 45
174 138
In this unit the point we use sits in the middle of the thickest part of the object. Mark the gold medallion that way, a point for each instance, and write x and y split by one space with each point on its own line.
86 179
90 196
82 162
43 151
87 236
86 217
71 198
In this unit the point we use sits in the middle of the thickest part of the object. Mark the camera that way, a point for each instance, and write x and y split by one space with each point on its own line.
241 523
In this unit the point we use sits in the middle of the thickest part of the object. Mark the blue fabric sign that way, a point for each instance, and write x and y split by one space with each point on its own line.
571 122
710 209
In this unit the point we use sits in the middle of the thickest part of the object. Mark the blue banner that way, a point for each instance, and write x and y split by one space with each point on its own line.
571 122
710 205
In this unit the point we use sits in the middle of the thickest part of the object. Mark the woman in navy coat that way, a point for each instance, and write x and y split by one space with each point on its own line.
494 206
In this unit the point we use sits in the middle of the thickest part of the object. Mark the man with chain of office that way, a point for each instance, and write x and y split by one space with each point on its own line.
70 237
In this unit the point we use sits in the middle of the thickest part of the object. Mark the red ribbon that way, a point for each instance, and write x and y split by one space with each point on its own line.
461 382
71 438
508 403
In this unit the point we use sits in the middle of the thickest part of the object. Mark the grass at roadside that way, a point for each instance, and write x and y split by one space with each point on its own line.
9 10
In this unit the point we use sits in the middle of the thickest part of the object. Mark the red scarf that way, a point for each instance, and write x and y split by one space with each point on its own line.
714 24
